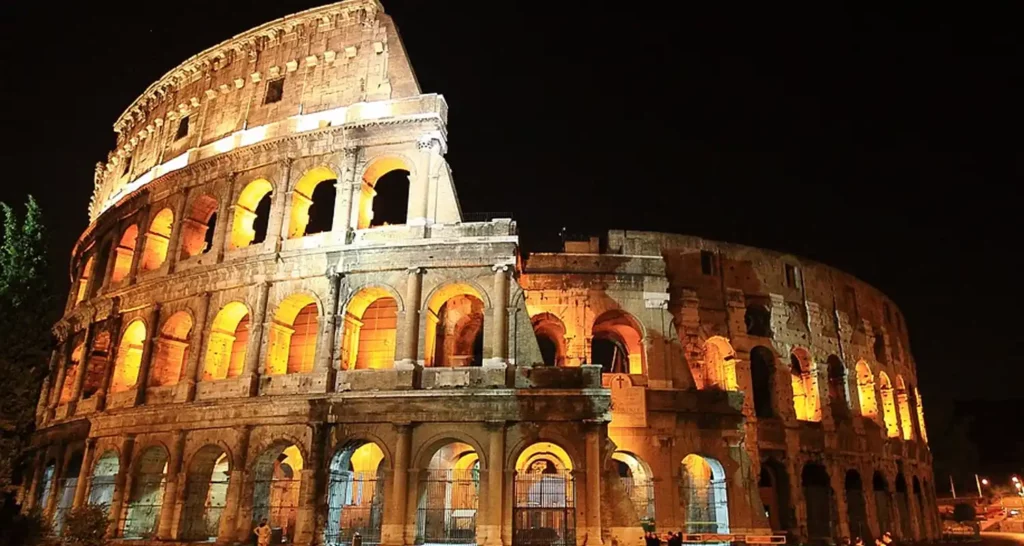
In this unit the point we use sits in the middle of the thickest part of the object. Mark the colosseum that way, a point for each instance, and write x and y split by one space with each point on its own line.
280 312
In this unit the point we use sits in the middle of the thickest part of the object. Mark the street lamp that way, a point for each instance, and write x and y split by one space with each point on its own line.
984 481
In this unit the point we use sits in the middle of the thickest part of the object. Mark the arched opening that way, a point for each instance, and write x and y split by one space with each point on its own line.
773 486
881 490
806 403
45 487
856 507
818 499
719 365
142 511
758 321
837 398
67 391
903 507
252 214
292 336
229 336
550 333
638 481
544 502
903 404
879 348
277 477
617 344
66 491
892 428
158 238
455 327
920 510
82 288
703 494
449 494
313 203
369 330
866 390
206 491
197 229
125 254
171 351
384 197
355 495
129 357
762 375
104 475
920 415
96 365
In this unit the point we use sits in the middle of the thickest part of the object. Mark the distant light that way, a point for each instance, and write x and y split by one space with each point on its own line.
984 481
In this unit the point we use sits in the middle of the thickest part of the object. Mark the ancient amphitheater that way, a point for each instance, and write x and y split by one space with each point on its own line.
280 311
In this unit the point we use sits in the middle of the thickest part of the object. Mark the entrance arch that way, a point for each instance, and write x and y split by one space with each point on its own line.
882 504
66 491
206 490
818 500
277 479
773 485
369 330
455 327
703 494
449 494
903 507
638 481
856 505
617 344
355 495
544 501
146 498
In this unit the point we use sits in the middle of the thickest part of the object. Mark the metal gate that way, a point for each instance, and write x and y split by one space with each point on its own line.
544 512
143 511
205 497
857 514
355 505
707 508
819 513
447 512
64 501
277 500
641 494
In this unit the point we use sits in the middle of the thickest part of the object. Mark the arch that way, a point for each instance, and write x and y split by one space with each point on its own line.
920 511
205 495
171 350
856 507
880 487
866 390
82 288
277 479
758 320
837 396
199 227
227 342
550 333
455 326
96 364
703 493
719 364
74 367
129 357
313 199
125 254
66 489
762 375
46 485
638 482
384 197
903 507
892 427
292 335
158 238
773 486
804 379
903 405
252 214
817 490
369 330
103 476
448 495
544 495
617 343
145 500
879 347
919 408
355 494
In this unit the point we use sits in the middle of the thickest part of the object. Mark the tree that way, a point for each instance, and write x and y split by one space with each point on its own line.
86 526
27 311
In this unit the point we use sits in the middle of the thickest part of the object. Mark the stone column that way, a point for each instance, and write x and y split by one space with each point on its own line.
593 458
82 485
165 528
140 246
253 352
83 369
37 476
58 382
328 328
393 528
492 528
120 484
58 477
152 335
408 354
430 146
280 206
197 352
174 244
231 525
313 479
344 202
114 328
108 268
499 337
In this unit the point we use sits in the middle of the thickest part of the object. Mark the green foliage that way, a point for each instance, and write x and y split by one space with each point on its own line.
18 529
964 512
85 526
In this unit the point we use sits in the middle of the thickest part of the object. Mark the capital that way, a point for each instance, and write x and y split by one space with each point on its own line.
350 151
500 267
417 270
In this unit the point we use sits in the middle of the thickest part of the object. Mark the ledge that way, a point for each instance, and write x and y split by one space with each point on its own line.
375 380
315 382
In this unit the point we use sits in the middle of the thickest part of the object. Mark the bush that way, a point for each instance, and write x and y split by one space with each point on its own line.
964 512
85 526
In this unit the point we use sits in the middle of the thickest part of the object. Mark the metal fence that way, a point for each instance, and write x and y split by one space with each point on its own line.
277 500
205 498
544 513
447 513
65 498
707 508
641 493
355 505
140 517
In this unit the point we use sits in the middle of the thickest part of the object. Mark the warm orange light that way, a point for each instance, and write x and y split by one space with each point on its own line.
892 428
376 169
229 335
866 390
157 240
920 415
125 254
302 199
292 336
195 226
129 357
243 232
171 350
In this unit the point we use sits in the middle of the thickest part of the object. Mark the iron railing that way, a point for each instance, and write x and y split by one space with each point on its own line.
544 513
355 505
447 514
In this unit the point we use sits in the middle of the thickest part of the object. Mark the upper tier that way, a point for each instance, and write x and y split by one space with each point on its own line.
315 61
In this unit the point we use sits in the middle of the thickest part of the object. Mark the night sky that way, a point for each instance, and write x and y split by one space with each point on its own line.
884 143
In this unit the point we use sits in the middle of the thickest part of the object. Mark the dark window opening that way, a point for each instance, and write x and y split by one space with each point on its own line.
211 227
794 364
182 129
792 276
548 349
262 220
275 91
880 348
127 166
391 204
707 262
758 321
99 272
762 371
610 354
321 211
478 349
837 388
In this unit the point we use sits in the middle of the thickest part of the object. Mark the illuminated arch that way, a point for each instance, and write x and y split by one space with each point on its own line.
226 346
638 481
96 364
837 388
455 326
530 457
145 500
308 202
375 170
550 333
293 335
892 428
103 478
920 414
903 405
74 368
129 357
171 350
704 495
617 343
719 365
370 324
197 229
125 254
277 482
355 493
866 390
205 495
448 494
804 379
154 254
82 289
253 204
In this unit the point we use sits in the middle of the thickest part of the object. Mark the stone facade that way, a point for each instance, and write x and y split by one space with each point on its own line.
248 338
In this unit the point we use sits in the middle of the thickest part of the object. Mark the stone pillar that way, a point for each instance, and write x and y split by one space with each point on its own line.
120 484
197 351
152 335
593 459
140 246
430 147
114 328
233 525
108 268
837 477
328 328
313 480
37 476
58 383
492 526
344 202
83 369
281 205
393 528
174 245
499 336
254 352
58 476
165 528
408 354
82 485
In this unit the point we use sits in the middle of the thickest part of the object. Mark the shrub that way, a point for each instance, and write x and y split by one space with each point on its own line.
85 526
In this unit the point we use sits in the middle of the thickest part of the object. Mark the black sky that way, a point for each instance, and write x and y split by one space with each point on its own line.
886 143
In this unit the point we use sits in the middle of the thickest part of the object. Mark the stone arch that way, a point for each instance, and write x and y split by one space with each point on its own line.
758 320
103 475
549 436
878 347
252 213
762 376
145 500
293 334
837 388
818 499
550 333
892 428
638 482
355 492
430 446
227 342
616 332
277 481
903 406
74 367
313 198
454 315
199 226
125 254
384 170
171 350
704 495
880 487
919 408
82 289
866 390
856 508
370 328
448 492
158 238
804 380
129 357
205 494
719 364
774 489
903 507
